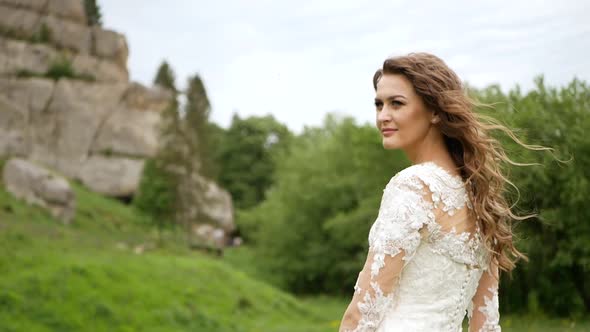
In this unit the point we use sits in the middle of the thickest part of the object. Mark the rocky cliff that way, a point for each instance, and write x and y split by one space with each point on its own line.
66 101
95 126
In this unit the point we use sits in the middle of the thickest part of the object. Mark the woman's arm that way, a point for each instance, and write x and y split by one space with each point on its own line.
483 312
373 293
405 209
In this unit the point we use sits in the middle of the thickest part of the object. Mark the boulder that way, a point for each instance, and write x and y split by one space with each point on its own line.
36 185
210 235
111 176
216 204
212 204
130 132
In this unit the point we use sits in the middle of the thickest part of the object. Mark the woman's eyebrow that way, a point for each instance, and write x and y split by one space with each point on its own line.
377 99
395 96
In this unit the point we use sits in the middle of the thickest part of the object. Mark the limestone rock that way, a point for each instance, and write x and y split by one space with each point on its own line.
210 235
84 130
80 109
22 119
212 204
112 176
110 45
217 205
35 5
144 98
129 132
13 125
32 93
16 55
101 70
69 9
38 186
18 22
69 35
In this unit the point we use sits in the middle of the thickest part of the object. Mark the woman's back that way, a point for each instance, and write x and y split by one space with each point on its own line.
424 229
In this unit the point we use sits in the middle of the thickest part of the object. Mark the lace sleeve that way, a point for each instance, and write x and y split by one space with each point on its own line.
393 240
483 311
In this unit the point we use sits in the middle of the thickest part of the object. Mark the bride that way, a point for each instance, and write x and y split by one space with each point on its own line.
443 230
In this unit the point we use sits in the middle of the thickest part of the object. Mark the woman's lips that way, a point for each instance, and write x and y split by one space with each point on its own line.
388 131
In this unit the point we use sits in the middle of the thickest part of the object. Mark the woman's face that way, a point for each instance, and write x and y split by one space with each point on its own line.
402 117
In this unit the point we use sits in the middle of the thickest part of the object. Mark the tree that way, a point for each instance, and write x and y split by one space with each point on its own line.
311 228
165 77
247 157
196 126
158 195
310 232
93 14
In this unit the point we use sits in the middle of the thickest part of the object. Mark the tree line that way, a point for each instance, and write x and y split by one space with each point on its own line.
305 202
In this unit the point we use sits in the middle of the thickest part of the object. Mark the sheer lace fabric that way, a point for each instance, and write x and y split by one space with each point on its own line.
426 261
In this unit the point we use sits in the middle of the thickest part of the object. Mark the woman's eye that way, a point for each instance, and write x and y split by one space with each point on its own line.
378 105
397 103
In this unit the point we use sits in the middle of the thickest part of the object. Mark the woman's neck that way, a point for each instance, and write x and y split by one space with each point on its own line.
433 150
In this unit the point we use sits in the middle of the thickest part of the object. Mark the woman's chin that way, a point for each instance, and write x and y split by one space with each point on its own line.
389 145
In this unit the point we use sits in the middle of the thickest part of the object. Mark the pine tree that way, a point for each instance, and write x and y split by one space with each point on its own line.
159 196
165 77
196 123
175 176
93 12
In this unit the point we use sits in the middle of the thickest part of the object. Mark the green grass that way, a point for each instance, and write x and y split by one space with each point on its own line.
87 277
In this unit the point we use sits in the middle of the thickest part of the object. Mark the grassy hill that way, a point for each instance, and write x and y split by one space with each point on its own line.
99 274
91 276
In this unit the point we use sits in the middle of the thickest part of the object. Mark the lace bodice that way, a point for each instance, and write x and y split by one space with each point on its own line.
427 265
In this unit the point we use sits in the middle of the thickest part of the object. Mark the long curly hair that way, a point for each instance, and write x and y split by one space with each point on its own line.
479 156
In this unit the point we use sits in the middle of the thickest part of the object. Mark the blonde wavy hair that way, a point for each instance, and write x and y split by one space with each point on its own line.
479 156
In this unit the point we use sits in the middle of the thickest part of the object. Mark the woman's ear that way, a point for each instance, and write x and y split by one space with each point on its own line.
435 118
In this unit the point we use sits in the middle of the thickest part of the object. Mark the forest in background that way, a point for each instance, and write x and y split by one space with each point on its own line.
305 202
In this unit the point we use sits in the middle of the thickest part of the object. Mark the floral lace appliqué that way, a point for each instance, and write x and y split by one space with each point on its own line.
406 218
491 312
372 308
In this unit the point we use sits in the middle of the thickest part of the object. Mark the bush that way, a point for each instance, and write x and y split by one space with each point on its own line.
156 196
60 68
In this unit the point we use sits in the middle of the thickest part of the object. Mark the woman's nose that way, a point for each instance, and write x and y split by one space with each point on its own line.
383 116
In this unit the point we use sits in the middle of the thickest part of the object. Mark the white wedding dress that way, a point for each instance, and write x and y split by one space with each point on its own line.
427 266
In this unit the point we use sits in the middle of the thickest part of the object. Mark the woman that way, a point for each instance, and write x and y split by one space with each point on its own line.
443 230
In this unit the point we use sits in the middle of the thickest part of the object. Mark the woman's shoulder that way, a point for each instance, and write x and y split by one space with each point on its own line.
441 184
429 173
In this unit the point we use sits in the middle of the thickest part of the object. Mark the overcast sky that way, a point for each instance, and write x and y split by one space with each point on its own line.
301 59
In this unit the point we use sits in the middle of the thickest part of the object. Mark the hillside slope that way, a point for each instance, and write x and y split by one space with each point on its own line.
91 276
